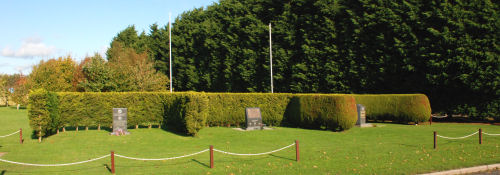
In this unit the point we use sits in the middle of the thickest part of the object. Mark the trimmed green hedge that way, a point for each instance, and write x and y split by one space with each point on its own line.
396 107
184 112
229 108
316 111
188 112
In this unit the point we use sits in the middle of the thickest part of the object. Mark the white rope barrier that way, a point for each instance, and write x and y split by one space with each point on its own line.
491 134
9 134
238 154
169 158
66 164
458 137
444 116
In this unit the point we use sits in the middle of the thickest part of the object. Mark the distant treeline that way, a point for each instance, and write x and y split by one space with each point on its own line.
448 50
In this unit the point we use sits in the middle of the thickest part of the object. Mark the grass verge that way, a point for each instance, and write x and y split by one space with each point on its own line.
385 149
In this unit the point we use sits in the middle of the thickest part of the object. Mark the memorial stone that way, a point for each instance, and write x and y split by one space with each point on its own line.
361 115
253 119
120 121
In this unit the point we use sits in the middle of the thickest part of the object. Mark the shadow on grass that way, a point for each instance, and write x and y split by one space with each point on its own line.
203 164
107 167
281 157
407 145
3 172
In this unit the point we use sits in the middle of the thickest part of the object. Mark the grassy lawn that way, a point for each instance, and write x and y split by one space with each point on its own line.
385 149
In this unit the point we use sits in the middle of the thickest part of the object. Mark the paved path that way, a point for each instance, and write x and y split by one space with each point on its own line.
477 170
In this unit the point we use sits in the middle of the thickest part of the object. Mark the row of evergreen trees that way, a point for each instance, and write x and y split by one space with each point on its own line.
448 50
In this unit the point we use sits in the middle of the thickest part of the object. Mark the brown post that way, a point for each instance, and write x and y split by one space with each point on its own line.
297 153
21 135
211 156
113 162
430 120
435 140
480 136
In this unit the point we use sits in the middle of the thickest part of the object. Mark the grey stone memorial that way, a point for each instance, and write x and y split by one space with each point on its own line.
253 119
120 121
361 115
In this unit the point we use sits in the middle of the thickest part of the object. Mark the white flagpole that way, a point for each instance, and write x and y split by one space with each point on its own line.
170 48
271 58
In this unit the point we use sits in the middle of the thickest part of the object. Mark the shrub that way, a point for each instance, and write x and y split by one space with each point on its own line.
396 107
316 111
42 111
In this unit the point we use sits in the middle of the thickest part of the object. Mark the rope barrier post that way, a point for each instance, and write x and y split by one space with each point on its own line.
480 136
297 153
113 162
435 139
21 135
211 156
430 120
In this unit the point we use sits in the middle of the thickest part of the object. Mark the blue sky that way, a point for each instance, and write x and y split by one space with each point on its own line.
34 30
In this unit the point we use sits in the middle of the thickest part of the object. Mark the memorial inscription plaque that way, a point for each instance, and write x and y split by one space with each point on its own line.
120 121
361 115
253 119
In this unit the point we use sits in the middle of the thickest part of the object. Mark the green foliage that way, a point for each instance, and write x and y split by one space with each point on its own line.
396 107
446 50
41 111
185 112
97 76
229 108
53 75
335 112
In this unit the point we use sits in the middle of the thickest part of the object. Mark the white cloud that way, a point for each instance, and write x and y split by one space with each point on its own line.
31 47
23 69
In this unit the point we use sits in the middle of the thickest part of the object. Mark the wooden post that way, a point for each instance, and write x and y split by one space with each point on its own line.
64 129
211 156
480 136
99 127
21 135
77 128
430 120
113 162
297 153
435 140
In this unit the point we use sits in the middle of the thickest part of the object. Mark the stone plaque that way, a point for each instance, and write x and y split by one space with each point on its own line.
361 115
253 118
119 121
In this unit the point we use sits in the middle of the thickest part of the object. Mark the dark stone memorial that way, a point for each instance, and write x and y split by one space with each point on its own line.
253 119
120 121
361 115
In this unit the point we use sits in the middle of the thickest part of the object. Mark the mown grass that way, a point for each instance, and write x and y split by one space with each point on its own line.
385 149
